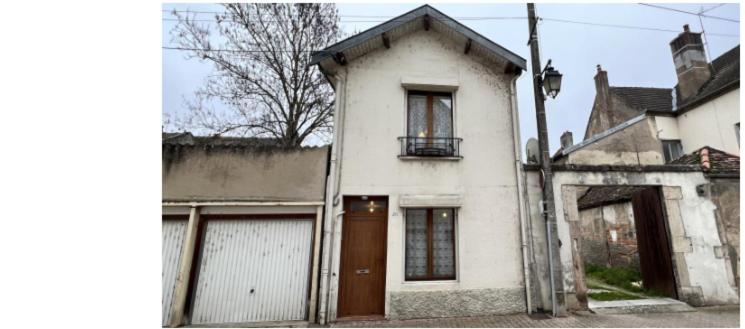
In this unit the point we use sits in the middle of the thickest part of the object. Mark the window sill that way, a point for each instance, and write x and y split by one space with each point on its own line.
426 282
435 158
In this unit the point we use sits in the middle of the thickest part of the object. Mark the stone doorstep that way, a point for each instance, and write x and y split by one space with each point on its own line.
648 305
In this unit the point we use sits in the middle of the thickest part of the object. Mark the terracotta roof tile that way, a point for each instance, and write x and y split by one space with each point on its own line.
720 161
602 195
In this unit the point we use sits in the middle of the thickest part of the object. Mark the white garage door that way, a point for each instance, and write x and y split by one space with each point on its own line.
173 241
253 270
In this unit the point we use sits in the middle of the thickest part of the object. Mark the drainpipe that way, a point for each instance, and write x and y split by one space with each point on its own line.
343 106
520 191
331 192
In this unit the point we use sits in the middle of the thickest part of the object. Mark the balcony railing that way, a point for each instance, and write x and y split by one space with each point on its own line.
430 146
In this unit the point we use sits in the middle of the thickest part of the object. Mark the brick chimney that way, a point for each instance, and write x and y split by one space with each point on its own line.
602 89
690 61
566 140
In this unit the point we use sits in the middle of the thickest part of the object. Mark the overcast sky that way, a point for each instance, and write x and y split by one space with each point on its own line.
632 57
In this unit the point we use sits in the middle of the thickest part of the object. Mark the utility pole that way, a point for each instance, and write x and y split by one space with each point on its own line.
549 210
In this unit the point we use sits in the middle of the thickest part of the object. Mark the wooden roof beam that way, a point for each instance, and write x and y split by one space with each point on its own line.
340 59
386 40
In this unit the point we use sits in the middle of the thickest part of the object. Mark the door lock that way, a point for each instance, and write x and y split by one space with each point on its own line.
363 271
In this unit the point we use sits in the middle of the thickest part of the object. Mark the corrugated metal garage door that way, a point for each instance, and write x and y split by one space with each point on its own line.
253 270
173 241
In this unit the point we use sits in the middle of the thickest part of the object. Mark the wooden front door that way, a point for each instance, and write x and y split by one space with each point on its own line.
653 243
363 257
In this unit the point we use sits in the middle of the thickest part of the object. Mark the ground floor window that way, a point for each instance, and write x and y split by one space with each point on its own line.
430 244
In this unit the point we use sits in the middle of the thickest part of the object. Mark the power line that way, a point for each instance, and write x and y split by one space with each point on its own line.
627 26
359 21
546 19
712 8
241 50
484 17
384 17
690 13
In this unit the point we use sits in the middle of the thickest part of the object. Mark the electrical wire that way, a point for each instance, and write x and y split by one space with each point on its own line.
690 13
627 26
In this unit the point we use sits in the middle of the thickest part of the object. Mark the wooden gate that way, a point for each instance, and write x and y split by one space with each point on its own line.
653 243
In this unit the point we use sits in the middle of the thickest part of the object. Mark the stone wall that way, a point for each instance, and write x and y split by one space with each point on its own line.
223 173
725 193
609 236
456 303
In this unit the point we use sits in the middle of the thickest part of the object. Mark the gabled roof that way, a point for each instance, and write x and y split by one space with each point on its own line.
719 161
646 99
361 43
725 76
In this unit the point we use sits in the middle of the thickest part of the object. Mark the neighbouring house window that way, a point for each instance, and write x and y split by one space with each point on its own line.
672 149
430 123
430 244
737 133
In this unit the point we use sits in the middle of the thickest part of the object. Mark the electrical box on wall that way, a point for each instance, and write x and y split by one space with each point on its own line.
702 190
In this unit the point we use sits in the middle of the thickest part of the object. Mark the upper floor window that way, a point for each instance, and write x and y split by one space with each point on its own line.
430 114
672 149
429 129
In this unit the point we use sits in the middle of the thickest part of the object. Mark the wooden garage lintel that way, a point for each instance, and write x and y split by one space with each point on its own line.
182 281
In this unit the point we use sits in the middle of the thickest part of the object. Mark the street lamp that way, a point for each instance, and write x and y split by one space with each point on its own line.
551 80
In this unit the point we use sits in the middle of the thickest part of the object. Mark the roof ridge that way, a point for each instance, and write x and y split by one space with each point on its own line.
697 151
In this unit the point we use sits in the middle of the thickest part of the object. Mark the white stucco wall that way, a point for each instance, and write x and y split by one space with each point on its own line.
712 124
667 127
487 227
697 240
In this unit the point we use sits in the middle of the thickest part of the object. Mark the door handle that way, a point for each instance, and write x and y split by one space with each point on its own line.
363 271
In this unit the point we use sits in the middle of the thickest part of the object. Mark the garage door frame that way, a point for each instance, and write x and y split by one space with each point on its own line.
197 257
172 218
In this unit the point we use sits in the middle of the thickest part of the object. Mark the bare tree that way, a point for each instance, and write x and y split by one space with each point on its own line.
262 73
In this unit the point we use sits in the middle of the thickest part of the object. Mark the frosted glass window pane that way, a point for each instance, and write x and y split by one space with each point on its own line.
443 116
443 260
416 243
373 207
417 121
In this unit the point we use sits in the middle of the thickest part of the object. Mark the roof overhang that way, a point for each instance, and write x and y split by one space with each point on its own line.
424 17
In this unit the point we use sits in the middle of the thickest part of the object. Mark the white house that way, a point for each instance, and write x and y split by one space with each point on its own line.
424 197
703 109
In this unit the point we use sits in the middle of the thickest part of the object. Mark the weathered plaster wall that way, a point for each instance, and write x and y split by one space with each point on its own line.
609 236
725 193
488 252
192 173
635 145
712 124
605 116
667 127
701 274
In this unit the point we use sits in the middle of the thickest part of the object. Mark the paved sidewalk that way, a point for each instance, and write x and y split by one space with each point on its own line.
728 316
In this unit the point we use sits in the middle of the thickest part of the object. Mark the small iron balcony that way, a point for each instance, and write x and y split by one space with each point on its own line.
430 146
